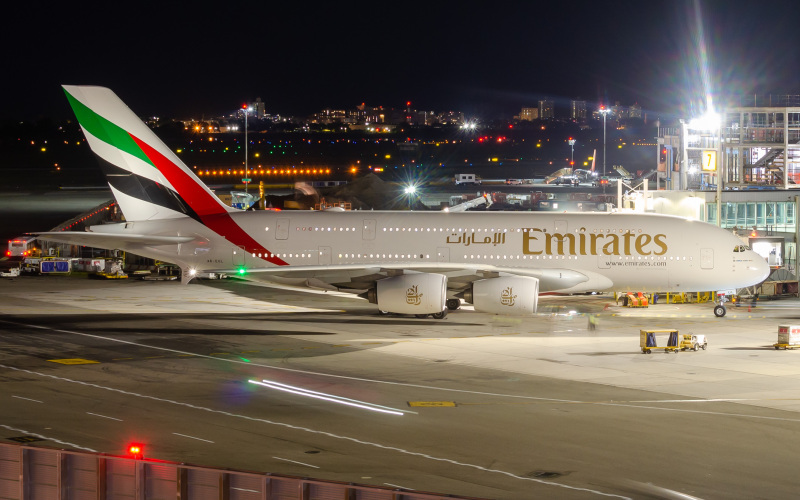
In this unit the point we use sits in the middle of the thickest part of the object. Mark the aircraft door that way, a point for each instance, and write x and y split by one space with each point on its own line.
369 230
442 254
239 255
560 226
324 256
282 229
706 258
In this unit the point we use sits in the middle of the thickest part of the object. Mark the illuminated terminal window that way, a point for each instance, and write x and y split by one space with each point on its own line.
777 215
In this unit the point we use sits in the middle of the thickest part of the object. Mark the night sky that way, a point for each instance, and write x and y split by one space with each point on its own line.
484 58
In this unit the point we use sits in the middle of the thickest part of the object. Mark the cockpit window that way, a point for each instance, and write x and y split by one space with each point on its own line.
740 248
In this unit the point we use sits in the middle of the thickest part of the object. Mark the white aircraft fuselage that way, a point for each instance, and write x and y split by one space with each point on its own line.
620 251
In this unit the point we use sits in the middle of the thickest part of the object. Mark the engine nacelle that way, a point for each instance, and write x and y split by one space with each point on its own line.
512 296
418 293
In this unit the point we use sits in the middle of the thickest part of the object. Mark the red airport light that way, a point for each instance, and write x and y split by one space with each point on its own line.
136 451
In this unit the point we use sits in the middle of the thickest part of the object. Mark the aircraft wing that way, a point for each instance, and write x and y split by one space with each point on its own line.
360 277
109 240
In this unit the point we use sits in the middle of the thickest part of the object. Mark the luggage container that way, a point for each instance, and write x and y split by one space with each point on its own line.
788 337
52 266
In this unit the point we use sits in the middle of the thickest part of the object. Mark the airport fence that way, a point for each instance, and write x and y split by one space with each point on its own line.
36 473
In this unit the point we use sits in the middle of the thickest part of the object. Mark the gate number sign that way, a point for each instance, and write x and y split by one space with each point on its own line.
710 161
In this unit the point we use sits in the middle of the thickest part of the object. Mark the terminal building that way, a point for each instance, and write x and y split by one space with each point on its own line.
739 170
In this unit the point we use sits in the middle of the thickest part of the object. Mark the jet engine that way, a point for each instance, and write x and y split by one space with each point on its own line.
418 293
512 296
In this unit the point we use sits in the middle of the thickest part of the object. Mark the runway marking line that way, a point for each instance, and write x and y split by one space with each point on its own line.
73 361
28 399
192 437
104 416
429 404
295 462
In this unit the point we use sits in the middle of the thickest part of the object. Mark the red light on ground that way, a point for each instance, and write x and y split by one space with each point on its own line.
136 450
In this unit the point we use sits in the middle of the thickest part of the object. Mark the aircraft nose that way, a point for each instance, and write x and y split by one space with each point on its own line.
759 267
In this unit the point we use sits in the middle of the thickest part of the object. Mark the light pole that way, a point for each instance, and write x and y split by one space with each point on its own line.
572 153
604 111
245 180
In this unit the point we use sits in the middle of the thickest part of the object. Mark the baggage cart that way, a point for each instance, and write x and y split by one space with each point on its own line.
648 340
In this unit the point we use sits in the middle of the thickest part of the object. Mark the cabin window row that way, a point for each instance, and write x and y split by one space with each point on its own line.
492 230
447 230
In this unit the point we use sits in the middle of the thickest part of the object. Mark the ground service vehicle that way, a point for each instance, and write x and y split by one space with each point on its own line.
466 179
21 246
693 342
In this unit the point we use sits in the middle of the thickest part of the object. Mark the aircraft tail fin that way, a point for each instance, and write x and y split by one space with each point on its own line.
148 180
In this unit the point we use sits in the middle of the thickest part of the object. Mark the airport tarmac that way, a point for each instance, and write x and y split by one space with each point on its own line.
220 373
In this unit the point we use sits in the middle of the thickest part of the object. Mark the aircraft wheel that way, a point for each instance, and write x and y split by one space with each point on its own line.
453 304
421 316
440 315
719 311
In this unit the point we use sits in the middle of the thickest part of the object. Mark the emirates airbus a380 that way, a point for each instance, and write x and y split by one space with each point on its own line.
419 263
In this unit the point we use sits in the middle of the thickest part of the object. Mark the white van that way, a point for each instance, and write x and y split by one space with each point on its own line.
467 179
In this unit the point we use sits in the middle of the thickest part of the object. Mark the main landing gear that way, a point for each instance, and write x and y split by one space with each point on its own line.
719 309
439 315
